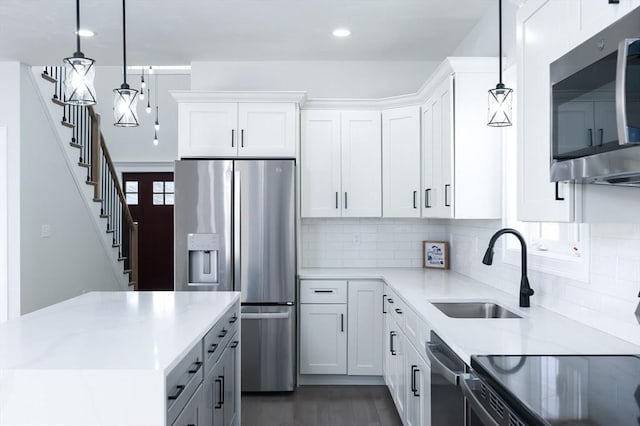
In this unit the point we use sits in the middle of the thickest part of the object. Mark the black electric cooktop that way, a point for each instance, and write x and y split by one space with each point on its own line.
566 390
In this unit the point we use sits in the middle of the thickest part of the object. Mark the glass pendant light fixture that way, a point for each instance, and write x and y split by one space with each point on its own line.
157 123
155 138
500 98
79 72
142 83
148 100
125 101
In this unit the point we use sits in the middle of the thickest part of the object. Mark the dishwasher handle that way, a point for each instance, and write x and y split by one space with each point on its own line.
466 381
437 366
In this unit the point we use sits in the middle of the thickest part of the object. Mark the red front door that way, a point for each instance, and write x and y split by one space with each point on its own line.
150 197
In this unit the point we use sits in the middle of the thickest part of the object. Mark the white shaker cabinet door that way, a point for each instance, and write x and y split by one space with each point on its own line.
320 194
418 377
207 130
361 164
443 151
267 129
540 200
323 339
401 162
365 344
428 148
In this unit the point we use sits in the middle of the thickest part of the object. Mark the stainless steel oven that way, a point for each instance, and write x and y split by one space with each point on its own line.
595 108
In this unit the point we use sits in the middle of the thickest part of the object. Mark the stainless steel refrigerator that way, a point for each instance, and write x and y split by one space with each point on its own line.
235 230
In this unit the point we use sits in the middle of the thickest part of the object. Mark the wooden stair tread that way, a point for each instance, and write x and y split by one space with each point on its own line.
67 124
84 165
48 78
57 101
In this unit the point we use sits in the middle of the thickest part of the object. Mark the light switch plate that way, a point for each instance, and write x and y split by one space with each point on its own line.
45 231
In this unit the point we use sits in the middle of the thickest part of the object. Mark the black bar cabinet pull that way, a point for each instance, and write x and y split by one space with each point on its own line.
323 291
337 199
390 300
601 136
391 348
415 206
212 348
234 344
233 133
179 390
342 323
399 311
220 399
558 197
222 333
196 366
446 195
414 387
384 296
242 138
427 201
233 319
345 200
590 137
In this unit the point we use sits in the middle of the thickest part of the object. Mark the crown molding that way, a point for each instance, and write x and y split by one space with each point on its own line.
215 96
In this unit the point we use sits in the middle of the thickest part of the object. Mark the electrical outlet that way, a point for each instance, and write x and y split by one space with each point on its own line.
356 238
45 231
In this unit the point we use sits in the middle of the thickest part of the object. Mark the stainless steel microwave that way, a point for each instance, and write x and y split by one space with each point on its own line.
595 108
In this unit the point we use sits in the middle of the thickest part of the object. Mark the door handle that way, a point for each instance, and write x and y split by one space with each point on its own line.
233 134
558 197
427 201
242 138
345 200
477 408
601 136
342 323
398 311
219 383
175 396
590 137
196 366
392 334
415 206
384 296
621 88
337 199
323 291
212 348
266 315
446 195
439 367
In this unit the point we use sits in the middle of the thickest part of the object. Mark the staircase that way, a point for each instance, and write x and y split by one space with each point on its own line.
93 156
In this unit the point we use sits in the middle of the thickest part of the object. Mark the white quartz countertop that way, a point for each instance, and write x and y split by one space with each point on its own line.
112 330
539 331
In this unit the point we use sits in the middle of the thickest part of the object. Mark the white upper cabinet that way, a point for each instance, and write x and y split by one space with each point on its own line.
461 155
227 125
401 162
341 166
540 43
267 129
361 164
320 164
595 16
206 128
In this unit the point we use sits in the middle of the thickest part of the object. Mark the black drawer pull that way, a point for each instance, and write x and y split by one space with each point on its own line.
384 296
234 344
392 334
212 348
414 386
323 291
222 333
399 311
234 319
219 382
390 300
179 390
195 367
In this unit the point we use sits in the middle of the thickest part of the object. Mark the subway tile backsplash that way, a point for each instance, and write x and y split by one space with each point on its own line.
607 301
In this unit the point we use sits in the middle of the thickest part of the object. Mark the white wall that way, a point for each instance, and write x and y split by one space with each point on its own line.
72 260
10 225
136 144
320 79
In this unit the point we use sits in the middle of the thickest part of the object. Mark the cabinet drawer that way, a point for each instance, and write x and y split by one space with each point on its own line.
396 307
218 337
183 380
190 415
323 291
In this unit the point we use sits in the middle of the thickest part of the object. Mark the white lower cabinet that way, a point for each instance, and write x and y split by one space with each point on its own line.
192 413
418 405
323 338
341 327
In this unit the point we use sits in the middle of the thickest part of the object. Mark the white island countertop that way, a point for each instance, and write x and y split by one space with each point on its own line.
539 331
98 347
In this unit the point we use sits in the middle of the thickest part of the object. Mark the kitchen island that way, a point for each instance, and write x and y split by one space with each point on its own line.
122 358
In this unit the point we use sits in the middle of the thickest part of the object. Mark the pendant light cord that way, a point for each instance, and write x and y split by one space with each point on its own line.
78 26
499 36
124 43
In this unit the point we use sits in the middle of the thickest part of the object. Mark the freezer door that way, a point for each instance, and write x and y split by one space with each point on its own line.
264 230
203 225
268 348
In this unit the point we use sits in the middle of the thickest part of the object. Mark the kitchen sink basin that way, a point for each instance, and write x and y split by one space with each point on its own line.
474 310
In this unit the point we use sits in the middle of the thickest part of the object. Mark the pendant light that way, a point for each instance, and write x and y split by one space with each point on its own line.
148 109
79 72
500 98
125 101
142 83
157 123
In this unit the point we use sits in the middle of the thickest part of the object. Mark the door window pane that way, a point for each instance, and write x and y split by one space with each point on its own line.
132 199
169 199
158 187
168 187
131 186
131 192
158 199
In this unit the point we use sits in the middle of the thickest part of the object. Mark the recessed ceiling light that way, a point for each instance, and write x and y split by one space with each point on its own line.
341 32
83 32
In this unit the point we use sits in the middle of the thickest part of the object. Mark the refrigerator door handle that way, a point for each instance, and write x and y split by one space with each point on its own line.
266 315
237 266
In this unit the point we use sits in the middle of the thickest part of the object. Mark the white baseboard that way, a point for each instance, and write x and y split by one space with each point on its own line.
338 379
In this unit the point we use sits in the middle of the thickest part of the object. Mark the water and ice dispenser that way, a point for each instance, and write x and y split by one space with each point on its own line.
203 259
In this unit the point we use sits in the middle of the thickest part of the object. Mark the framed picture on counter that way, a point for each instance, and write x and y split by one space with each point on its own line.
435 254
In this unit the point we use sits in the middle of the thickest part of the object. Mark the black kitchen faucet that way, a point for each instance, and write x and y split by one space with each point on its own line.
525 290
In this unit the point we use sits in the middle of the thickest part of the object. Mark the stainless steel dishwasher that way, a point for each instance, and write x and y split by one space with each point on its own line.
448 404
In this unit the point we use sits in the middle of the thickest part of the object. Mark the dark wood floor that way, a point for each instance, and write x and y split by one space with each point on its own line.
321 406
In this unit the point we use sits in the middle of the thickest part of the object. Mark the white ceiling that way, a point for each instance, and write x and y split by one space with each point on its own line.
179 31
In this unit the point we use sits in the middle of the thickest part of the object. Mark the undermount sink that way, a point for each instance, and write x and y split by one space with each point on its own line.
474 310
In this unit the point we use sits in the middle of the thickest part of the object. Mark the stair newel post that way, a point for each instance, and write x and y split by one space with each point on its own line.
95 155
133 252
